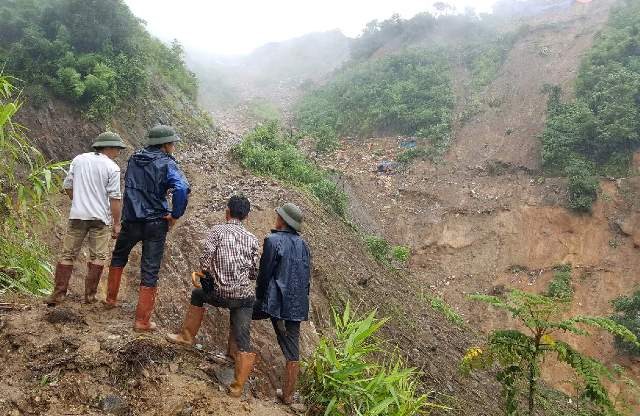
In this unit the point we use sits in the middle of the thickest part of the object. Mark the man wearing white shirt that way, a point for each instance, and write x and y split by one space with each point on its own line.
93 184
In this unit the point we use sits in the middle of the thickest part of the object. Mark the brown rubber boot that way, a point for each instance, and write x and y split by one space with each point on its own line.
190 327
291 378
94 272
113 286
244 366
146 300
61 284
232 346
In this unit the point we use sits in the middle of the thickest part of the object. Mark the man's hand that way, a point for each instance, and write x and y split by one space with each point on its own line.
170 220
115 231
195 279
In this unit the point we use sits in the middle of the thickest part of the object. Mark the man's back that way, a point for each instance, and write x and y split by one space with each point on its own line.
94 178
285 274
231 255
150 174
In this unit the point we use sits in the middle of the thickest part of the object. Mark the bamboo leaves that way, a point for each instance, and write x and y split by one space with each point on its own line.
342 379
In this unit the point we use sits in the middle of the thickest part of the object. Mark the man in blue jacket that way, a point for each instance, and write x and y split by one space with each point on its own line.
146 217
282 288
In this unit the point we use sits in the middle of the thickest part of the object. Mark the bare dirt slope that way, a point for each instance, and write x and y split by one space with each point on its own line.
515 105
486 211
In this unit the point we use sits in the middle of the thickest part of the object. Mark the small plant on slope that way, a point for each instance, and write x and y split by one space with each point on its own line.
341 379
440 305
560 286
385 253
520 355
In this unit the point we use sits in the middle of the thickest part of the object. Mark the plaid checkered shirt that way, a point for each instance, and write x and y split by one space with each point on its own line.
231 257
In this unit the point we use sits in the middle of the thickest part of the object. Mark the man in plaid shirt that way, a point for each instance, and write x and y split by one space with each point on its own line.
230 264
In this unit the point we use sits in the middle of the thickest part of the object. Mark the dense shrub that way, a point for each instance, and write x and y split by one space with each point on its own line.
627 310
583 185
407 93
484 57
93 53
267 151
378 247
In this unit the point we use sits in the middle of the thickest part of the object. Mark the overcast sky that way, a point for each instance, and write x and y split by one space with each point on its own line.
239 26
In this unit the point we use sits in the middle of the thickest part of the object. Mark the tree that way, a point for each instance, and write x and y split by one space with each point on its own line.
444 8
520 355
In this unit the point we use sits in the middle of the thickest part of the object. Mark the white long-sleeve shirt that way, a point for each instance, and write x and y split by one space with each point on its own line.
95 179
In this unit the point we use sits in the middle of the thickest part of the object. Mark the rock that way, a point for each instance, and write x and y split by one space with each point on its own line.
224 375
115 405
626 226
89 348
187 410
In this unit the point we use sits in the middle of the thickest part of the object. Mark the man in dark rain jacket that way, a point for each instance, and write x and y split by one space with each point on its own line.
282 288
146 217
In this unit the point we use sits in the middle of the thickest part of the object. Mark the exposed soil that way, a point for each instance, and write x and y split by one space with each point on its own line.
83 360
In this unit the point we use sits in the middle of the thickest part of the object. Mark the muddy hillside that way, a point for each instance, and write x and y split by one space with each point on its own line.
486 218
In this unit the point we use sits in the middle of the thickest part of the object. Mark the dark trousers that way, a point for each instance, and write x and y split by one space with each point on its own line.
240 311
153 235
288 334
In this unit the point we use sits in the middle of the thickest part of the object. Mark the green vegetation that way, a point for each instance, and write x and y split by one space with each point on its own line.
26 181
390 86
521 354
596 133
263 110
485 59
407 93
583 186
94 53
560 286
342 379
407 156
385 253
439 305
268 151
627 310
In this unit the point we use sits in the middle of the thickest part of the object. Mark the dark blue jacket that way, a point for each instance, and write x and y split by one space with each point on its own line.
151 174
282 287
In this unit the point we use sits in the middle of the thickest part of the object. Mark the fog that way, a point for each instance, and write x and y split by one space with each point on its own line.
238 27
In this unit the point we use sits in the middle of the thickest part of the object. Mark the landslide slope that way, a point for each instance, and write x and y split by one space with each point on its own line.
485 219
66 359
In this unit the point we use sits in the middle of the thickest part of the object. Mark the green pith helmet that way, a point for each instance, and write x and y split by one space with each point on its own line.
162 134
108 139
291 214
